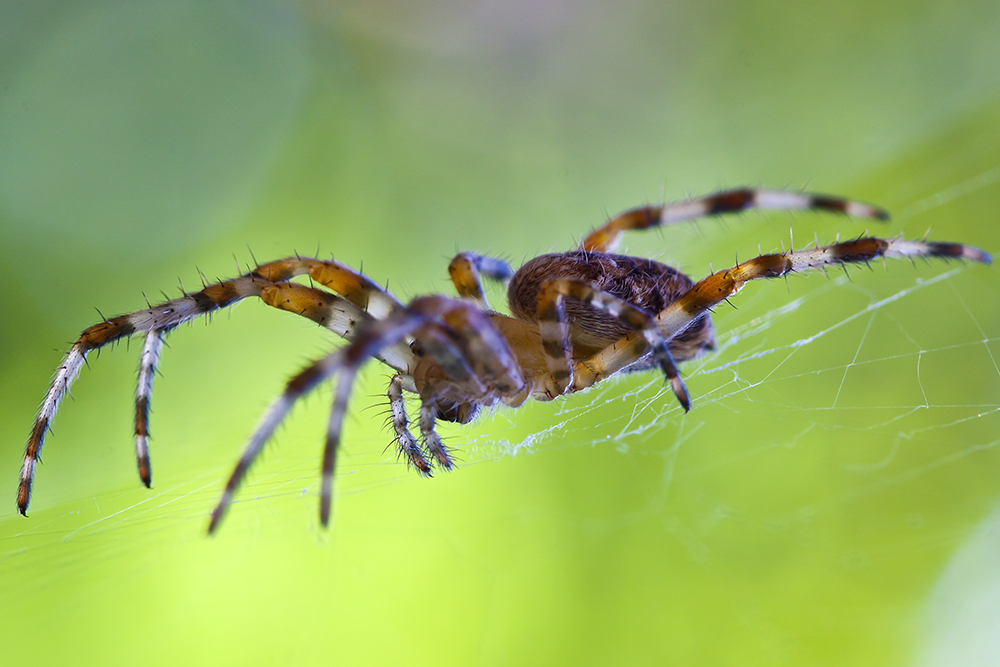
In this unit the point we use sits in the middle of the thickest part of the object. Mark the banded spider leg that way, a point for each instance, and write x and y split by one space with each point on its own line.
360 300
721 285
494 371
554 328
607 237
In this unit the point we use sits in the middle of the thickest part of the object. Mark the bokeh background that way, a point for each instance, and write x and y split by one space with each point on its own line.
832 497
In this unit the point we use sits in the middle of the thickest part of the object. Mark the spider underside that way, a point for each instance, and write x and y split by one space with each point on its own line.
577 318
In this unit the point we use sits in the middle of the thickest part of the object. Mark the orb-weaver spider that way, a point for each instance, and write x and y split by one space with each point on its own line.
576 318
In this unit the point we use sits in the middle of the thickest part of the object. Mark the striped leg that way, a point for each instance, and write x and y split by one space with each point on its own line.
434 339
353 285
485 349
362 299
160 318
147 368
408 447
346 362
327 310
554 328
296 388
332 312
466 271
474 356
428 416
606 238
719 286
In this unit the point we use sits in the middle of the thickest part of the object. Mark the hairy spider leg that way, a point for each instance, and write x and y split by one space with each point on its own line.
428 419
368 341
144 388
554 327
160 318
489 369
301 384
353 285
476 326
376 335
332 312
721 285
466 270
405 441
474 357
486 350
338 314
606 238
434 339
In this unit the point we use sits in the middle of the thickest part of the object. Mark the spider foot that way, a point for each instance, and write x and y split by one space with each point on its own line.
666 363
415 458
440 452
681 392
145 472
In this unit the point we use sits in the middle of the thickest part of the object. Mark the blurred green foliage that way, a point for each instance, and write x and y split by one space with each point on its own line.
800 514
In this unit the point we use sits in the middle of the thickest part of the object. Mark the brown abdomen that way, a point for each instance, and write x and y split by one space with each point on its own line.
641 282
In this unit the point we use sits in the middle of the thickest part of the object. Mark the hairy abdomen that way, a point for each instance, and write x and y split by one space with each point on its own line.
641 282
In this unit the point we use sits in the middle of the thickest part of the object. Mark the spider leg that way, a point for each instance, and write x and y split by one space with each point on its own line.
432 338
147 369
475 358
408 447
367 342
428 417
466 270
606 238
353 285
485 349
721 285
327 310
159 318
554 328
361 299
297 387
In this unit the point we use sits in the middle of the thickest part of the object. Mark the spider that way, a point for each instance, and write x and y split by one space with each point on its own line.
577 318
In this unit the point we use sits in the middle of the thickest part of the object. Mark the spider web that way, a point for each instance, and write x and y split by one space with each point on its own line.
852 394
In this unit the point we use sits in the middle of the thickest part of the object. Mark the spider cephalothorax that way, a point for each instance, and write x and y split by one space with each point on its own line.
576 318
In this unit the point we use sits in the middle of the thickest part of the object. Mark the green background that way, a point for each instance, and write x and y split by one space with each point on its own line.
828 501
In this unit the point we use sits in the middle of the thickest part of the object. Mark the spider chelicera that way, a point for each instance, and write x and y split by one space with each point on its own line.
577 318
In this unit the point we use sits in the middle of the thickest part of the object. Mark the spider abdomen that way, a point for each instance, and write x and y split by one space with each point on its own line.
641 282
